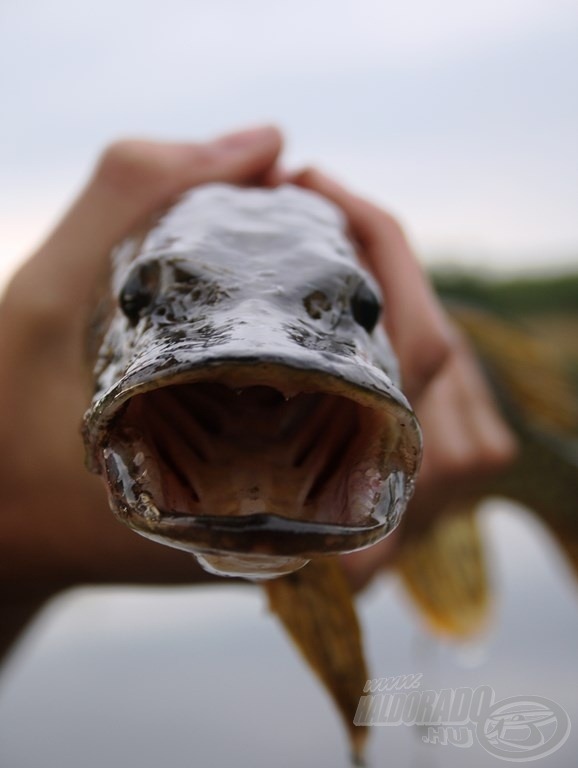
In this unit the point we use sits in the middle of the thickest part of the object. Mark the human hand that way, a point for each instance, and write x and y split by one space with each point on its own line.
465 438
56 529
53 510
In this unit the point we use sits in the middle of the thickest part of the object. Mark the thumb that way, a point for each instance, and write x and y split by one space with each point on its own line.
133 179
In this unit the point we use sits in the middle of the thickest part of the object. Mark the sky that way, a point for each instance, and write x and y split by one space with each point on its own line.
459 117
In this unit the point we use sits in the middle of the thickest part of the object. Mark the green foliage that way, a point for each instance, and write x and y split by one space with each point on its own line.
511 296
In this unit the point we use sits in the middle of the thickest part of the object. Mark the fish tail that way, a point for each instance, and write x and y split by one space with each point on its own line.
315 605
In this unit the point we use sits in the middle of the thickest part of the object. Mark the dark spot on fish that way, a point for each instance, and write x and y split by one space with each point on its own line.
198 289
321 342
163 315
316 304
184 276
177 334
211 334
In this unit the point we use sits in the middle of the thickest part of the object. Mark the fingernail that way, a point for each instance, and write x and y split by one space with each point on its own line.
245 139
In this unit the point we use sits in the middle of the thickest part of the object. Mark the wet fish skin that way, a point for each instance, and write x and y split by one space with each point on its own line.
241 327
258 292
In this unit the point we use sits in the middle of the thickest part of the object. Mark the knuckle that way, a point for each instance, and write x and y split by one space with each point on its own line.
429 356
152 171
390 221
436 354
458 466
308 176
385 222
454 461
480 459
131 164
499 451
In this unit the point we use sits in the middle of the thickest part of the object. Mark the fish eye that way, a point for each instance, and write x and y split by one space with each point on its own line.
365 307
139 290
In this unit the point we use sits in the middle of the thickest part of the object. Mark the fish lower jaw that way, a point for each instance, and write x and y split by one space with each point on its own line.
253 567
252 483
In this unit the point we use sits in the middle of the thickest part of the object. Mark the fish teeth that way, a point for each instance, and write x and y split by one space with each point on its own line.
325 460
308 437
146 507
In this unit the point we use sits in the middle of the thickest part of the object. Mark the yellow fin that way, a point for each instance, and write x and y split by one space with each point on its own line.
444 571
316 607
532 373
526 367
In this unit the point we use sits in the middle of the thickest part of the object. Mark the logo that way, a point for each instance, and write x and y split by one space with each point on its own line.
516 729
521 728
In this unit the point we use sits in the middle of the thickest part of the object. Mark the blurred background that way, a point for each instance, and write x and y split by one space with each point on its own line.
462 119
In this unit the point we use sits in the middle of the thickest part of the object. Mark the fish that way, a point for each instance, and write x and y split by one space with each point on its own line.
245 405
248 409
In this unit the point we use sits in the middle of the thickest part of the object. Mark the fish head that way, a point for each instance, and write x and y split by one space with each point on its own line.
246 406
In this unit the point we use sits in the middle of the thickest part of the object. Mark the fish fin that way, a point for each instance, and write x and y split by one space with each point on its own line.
444 571
531 376
533 380
315 605
544 479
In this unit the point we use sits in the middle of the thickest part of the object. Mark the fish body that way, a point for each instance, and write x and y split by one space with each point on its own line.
246 405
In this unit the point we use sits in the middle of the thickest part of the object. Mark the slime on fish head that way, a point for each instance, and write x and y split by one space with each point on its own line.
246 404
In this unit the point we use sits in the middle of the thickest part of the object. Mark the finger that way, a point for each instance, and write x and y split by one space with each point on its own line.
489 443
414 317
275 176
139 177
133 180
465 437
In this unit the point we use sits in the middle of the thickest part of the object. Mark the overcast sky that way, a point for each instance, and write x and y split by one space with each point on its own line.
461 117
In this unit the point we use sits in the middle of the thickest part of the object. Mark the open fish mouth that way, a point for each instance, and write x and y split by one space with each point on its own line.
245 406
257 469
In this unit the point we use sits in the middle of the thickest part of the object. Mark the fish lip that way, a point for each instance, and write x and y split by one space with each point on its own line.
262 533
252 534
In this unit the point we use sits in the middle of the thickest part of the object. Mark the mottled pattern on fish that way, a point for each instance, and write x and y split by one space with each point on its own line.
245 402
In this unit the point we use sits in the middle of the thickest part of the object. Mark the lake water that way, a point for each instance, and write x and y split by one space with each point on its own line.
205 676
